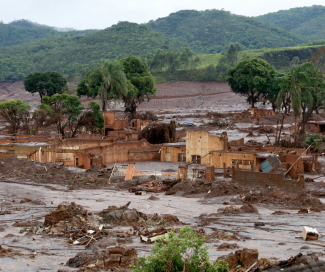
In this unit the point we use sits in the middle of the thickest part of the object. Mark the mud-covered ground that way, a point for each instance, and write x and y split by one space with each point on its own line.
224 211
40 230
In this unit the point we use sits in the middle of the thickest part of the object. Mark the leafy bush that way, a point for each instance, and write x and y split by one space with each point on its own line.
185 252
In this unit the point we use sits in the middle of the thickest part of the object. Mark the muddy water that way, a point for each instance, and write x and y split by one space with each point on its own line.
53 253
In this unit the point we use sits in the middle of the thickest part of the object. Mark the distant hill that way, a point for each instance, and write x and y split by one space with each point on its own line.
68 54
212 31
307 22
25 31
14 34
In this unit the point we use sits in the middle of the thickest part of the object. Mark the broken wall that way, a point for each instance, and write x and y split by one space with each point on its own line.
78 143
120 151
244 160
200 143
244 177
171 153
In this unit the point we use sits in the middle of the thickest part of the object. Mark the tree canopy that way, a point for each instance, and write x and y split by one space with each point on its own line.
15 112
46 83
141 83
250 78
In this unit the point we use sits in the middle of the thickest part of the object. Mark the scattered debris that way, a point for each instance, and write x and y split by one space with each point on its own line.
309 233
112 258
245 258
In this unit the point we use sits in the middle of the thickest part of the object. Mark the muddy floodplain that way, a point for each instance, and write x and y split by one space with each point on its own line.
225 212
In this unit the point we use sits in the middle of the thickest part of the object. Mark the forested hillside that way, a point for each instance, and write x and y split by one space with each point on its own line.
24 31
69 54
212 31
11 34
307 22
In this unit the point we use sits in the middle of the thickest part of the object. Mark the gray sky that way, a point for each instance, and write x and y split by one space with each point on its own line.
86 14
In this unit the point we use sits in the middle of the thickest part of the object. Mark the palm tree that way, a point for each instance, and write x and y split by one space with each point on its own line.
113 78
292 83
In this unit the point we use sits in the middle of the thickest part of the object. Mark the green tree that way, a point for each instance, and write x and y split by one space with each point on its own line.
185 252
250 78
46 83
297 84
232 54
95 118
15 112
71 117
90 88
113 77
141 84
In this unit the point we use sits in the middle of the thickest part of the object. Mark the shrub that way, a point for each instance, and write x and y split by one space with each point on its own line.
185 252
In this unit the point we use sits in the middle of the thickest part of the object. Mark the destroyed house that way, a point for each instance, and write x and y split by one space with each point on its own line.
173 152
138 123
224 158
316 126
113 124
200 143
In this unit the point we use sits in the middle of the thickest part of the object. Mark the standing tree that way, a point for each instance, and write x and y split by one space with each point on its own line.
70 116
112 77
46 83
15 112
298 83
141 83
250 78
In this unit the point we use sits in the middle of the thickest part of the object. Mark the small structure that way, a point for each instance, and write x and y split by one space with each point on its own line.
316 126
200 143
173 152
113 124
252 178
141 124
223 158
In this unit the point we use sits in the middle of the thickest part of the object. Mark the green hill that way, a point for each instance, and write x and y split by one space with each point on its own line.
307 22
69 54
11 34
24 31
212 31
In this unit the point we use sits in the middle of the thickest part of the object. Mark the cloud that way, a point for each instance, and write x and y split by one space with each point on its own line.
82 14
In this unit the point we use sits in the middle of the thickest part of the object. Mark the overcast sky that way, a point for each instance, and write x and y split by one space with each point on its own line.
86 14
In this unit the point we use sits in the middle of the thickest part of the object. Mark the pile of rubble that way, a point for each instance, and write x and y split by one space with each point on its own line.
290 199
14 168
112 258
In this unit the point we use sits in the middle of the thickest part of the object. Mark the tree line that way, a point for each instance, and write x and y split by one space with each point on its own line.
302 89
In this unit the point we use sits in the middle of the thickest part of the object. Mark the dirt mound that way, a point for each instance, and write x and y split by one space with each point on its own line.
244 258
74 215
226 246
220 235
189 188
288 198
8 252
154 198
300 260
124 216
112 258
247 208
52 173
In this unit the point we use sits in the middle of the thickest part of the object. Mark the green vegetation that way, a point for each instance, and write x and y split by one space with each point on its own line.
71 55
303 88
141 83
24 31
15 112
250 78
185 252
47 83
108 78
212 31
70 116
307 22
